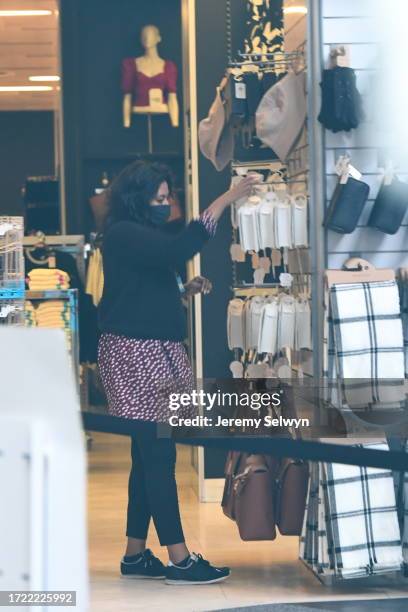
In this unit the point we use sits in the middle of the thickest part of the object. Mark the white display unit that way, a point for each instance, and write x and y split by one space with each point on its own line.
42 467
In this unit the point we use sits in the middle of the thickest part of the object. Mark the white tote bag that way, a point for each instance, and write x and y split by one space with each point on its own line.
266 221
268 328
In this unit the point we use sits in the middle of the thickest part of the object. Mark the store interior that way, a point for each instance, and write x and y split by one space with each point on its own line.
67 129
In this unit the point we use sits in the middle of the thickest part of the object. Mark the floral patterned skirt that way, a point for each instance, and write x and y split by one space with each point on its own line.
140 375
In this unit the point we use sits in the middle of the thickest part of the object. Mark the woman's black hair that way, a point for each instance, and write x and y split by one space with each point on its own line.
131 192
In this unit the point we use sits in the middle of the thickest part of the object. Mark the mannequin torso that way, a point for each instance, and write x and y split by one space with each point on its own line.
149 82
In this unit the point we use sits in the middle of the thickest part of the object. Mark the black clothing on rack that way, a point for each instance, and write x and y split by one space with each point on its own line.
141 297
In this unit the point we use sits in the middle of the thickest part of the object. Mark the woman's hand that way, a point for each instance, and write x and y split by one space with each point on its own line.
243 189
199 284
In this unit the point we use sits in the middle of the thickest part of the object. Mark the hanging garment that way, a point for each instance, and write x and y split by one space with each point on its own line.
139 84
236 324
286 322
94 277
303 325
281 115
268 328
253 311
235 97
299 221
254 91
215 135
266 221
248 225
367 342
283 223
351 526
341 101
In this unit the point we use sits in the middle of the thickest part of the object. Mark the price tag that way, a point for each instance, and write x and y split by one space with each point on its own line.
240 91
354 173
255 261
256 370
237 254
237 369
52 262
276 257
265 263
259 276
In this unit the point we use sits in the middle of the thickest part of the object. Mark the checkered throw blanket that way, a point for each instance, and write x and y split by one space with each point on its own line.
351 525
364 345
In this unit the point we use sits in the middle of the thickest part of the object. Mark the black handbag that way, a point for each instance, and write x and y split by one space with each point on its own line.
346 206
390 207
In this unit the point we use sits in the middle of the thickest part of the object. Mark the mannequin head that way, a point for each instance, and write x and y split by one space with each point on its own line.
150 36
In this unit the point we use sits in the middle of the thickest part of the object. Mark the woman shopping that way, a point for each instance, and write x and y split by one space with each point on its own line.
141 355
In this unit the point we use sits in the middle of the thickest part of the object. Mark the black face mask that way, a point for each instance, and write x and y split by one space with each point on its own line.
159 214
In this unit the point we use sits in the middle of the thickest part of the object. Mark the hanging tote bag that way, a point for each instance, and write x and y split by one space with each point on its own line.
346 206
236 324
390 207
292 480
249 495
268 328
266 224
248 225
299 220
291 491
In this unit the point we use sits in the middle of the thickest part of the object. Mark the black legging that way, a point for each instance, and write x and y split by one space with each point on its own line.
153 489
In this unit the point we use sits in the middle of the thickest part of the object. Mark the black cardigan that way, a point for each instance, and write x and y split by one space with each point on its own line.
141 297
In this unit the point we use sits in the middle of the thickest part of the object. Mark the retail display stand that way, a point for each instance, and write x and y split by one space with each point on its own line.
42 468
11 271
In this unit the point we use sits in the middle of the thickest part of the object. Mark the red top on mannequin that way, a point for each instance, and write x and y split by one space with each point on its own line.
138 84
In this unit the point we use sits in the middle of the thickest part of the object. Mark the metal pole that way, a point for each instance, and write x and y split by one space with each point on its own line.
317 180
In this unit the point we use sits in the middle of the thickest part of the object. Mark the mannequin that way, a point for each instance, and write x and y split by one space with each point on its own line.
149 82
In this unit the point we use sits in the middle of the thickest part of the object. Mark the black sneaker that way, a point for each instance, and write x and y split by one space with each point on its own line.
144 565
196 571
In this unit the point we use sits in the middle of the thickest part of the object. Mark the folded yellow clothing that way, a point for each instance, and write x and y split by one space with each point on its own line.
50 286
53 302
53 326
53 307
59 320
53 315
47 272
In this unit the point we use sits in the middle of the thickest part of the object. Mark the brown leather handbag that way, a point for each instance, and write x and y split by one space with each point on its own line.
291 491
248 495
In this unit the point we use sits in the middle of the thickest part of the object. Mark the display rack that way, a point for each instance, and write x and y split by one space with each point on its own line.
74 245
11 271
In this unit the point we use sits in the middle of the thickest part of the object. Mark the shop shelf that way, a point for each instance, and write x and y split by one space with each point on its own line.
11 253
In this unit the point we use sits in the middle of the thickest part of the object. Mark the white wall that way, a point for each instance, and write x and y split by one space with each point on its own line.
351 22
